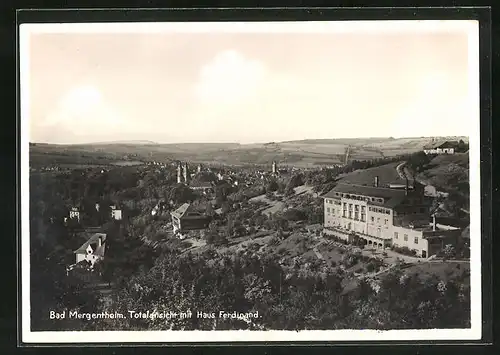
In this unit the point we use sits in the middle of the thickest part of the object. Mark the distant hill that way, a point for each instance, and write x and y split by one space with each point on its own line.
300 153
132 142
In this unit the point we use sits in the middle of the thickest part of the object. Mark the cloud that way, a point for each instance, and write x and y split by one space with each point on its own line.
81 112
229 78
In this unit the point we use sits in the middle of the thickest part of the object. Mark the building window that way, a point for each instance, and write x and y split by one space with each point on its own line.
385 222
356 208
328 209
373 219
406 237
416 240
350 214
356 215
378 220
363 216
395 235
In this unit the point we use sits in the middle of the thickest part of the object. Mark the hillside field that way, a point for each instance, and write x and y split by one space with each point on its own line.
305 154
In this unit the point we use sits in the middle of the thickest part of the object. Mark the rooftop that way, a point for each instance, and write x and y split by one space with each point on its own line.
441 144
387 174
203 184
93 241
181 211
392 197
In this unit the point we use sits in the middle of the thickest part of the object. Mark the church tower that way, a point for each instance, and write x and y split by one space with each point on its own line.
179 173
186 173
274 167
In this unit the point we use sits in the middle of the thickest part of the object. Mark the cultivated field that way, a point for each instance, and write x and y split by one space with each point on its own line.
305 153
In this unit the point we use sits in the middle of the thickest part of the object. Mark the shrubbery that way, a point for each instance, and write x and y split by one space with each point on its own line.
404 250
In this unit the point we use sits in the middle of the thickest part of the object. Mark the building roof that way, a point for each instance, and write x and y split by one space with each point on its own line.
181 211
365 191
441 144
93 240
186 210
202 184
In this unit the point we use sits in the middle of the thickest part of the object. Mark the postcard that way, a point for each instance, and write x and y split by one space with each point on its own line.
187 182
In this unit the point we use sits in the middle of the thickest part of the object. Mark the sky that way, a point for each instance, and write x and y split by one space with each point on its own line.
247 86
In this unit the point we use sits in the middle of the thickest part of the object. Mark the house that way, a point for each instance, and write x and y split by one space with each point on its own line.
442 147
116 213
74 213
186 218
383 217
92 250
158 208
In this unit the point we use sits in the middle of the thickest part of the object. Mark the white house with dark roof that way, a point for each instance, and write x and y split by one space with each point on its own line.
187 218
92 250
116 213
74 213
441 147
383 216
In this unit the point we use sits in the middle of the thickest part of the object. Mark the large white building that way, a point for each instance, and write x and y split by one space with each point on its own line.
446 147
383 216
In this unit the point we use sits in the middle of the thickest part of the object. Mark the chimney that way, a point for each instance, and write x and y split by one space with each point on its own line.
434 222
375 183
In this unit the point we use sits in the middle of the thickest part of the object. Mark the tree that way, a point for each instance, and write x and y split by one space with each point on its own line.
209 210
180 193
272 186
449 251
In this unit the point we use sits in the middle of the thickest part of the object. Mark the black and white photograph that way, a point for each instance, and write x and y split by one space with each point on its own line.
250 181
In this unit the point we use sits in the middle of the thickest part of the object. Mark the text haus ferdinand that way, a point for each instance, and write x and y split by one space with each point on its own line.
383 216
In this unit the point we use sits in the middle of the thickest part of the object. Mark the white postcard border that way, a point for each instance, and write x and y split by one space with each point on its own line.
474 333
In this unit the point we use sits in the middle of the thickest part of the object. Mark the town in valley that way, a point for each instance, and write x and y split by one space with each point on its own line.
368 233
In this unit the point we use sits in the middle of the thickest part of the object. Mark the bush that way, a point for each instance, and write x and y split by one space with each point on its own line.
370 267
404 251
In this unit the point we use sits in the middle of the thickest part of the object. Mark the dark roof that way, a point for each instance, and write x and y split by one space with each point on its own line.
202 184
441 144
365 191
449 144
93 240
181 211
392 197
387 174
